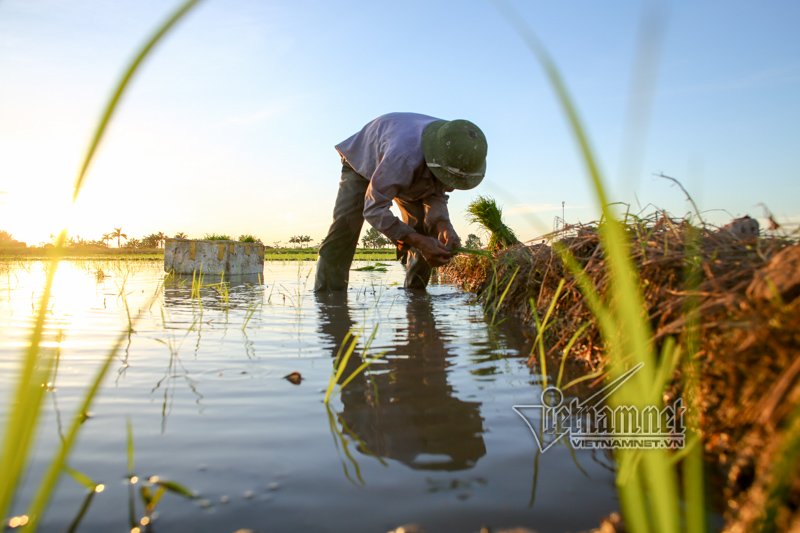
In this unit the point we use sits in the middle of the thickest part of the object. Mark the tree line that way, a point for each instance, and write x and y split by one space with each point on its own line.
372 239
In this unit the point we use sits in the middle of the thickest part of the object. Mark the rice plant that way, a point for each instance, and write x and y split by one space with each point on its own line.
343 355
484 211
151 490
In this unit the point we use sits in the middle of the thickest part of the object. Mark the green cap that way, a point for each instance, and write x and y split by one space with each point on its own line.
455 151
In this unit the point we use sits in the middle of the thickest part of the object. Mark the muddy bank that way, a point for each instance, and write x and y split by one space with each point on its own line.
748 296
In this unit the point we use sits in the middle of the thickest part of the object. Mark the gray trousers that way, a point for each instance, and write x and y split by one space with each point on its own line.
339 246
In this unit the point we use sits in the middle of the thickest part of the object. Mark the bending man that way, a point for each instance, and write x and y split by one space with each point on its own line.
413 160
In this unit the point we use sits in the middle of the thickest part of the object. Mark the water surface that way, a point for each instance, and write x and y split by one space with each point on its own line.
426 435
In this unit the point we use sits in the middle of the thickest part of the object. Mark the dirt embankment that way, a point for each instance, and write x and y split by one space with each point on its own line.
748 296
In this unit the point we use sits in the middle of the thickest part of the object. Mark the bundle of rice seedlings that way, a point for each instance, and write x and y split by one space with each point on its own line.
484 211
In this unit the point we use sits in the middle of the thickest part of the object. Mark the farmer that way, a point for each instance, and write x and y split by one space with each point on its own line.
413 160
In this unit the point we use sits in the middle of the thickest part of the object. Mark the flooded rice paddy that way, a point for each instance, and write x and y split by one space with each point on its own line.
426 435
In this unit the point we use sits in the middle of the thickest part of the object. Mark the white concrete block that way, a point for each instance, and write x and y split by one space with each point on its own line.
184 256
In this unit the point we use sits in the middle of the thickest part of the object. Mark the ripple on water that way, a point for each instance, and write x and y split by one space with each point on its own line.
426 435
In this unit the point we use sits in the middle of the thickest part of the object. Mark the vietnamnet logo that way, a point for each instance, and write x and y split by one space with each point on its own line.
591 424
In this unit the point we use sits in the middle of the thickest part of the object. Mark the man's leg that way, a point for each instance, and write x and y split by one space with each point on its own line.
337 249
418 271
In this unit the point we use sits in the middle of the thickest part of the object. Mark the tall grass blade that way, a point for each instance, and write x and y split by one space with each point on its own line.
537 345
57 464
692 466
339 438
541 328
175 488
568 348
22 422
81 478
131 477
20 428
76 522
27 399
650 500
499 303
129 445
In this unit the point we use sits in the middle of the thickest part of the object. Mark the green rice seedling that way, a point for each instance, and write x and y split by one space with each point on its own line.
341 443
565 352
36 364
649 496
495 306
222 288
92 486
484 211
343 354
473 251
151 489
131 478
541 328
172 279
175 368
197 283
251 310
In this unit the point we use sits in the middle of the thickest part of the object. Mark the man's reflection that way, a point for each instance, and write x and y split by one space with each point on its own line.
405 409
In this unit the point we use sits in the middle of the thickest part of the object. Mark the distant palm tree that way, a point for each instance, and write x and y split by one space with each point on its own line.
105 239
161 238
181 235
117 234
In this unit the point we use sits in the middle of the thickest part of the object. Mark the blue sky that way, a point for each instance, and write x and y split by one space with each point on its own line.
229 127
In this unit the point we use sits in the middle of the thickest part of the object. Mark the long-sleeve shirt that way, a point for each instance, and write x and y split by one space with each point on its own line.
388 152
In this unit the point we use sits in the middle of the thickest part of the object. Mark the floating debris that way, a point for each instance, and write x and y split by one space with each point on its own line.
295 378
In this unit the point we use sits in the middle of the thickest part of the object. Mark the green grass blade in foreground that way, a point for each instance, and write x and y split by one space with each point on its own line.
21 425
129 450
58 463
692 465
650 501
22 421
122 85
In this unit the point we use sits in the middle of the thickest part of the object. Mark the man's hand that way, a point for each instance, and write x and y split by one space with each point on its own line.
447 235
434 252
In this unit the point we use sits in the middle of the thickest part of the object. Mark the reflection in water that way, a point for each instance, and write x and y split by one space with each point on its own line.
404 409
433 452
213 291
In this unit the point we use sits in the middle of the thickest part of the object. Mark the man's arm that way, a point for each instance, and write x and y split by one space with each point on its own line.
434 252
437 218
